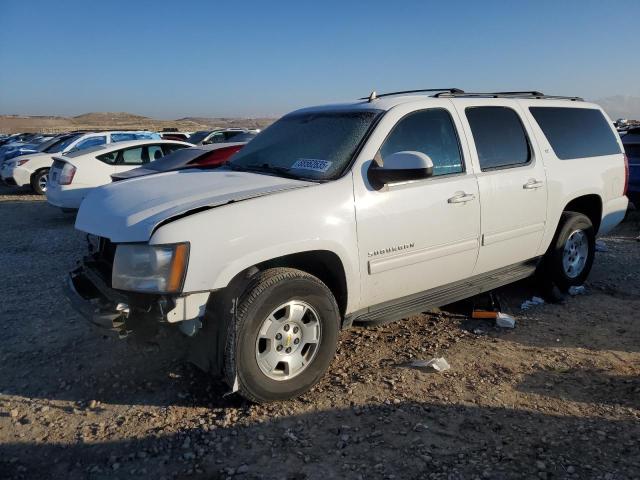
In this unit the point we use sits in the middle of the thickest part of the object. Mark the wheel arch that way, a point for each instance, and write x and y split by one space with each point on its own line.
323 264
589 205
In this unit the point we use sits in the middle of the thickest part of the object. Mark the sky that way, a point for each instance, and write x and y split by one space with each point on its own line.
171 59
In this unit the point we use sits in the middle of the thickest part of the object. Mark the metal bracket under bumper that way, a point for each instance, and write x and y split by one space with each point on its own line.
91 304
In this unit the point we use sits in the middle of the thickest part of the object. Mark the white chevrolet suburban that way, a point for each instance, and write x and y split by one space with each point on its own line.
361 212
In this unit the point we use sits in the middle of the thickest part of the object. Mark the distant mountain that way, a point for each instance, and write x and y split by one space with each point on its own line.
621 106
229 122
119 121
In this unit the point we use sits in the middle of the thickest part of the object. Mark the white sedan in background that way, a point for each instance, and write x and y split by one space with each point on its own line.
74 175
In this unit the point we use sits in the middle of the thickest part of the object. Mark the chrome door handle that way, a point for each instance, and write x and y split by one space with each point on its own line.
532 184
461 197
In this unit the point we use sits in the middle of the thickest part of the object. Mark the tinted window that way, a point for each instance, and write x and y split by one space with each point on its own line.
431 132
61 144
499 137
109 158
90 142
171 147
122 137
576 132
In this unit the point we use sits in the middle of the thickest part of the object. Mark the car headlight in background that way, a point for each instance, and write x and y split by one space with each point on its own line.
150 268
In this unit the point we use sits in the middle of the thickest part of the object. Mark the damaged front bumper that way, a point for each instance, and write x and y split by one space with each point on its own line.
125 312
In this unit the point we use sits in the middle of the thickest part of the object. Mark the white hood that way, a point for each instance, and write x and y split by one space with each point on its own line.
129 211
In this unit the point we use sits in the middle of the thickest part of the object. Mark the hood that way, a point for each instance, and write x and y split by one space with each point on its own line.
130 210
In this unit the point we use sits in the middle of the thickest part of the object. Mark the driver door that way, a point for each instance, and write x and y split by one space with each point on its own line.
418 235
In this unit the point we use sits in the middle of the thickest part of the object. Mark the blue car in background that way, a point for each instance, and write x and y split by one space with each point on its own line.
631 143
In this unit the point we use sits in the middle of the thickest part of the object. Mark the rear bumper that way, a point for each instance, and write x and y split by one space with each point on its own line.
613 212
64 198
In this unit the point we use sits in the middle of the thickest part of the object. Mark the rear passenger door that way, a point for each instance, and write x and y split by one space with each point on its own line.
511 180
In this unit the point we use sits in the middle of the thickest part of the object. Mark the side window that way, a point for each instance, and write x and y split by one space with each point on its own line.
122 137
218 137
431 132
576 132
154 152
132 156
109 158
499 137
90 142
169 147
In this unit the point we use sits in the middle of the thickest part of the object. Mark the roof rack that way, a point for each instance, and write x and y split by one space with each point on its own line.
374 95
525 94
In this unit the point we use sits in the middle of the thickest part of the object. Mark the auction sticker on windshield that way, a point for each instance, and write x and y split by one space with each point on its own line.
311 164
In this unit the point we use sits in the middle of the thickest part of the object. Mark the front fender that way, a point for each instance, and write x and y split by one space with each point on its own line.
229 239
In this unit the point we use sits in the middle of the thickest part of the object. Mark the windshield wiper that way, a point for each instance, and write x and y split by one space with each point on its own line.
265 168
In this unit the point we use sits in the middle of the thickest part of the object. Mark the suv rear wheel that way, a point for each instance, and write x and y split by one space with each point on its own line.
285 337
39 181
570 256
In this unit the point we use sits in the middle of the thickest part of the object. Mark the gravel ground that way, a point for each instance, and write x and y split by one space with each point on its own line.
557 397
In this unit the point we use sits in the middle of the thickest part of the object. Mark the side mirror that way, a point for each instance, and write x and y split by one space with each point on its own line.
401 167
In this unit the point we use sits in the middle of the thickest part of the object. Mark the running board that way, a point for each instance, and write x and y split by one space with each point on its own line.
439 296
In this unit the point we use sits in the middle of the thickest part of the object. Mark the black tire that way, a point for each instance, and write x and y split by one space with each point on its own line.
553 270
38 179
266 291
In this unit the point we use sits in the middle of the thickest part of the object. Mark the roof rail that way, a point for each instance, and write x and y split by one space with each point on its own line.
452 91
525 94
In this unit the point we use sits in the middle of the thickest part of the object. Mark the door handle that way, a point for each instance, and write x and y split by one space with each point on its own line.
532 184
461 197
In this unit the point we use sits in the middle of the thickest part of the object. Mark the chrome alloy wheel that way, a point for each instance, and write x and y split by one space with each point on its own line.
42 182
576 251
288 340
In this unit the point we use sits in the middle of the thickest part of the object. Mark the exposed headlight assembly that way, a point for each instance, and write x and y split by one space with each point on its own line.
150 268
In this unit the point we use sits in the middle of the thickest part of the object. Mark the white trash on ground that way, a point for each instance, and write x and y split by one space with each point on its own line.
527 304
438 364
505 321
577 290
601 246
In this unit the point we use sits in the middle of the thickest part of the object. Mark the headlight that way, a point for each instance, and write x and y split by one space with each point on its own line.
150 268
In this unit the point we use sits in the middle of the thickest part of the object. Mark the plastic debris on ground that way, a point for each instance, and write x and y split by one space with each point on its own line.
527 304
601 246
577 290
505 321
438 364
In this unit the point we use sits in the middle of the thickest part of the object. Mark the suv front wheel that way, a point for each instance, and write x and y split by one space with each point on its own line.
570 256
285 336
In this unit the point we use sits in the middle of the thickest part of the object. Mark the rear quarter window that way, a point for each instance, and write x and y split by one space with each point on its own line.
576 132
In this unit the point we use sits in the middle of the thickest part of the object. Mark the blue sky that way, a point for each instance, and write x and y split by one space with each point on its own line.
206 58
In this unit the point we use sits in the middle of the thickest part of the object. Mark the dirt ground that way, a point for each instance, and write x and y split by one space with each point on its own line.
557 397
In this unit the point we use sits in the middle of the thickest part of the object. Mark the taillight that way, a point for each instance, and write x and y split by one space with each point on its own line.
67 173
626 175
217 157
21 162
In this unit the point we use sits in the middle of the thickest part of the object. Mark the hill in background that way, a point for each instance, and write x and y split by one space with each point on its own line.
120 121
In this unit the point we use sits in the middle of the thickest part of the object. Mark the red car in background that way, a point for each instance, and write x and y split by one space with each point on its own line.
201 156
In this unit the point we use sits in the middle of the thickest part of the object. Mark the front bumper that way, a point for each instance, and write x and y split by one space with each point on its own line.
125 312
91 299
20 175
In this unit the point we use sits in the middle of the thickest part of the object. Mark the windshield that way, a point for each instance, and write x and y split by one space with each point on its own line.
307 145
198 136
61 144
